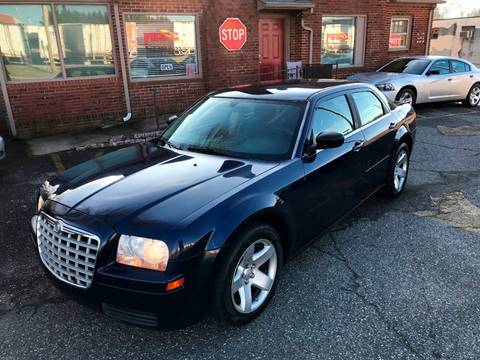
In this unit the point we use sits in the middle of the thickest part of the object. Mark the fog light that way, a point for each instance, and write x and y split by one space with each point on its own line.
175 284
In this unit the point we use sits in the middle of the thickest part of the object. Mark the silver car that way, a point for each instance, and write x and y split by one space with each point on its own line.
2 148
423 79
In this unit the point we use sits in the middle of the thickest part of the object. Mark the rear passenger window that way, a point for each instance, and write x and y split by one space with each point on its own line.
459 66
333 115
442 66
370 108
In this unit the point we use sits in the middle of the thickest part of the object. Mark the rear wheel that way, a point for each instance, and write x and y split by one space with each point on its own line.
473 97
398 171
406 96
247 275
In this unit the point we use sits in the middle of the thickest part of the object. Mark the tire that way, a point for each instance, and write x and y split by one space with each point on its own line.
228 304
395 181
473 97
407 96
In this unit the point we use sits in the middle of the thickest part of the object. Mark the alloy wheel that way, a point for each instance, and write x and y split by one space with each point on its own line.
254 276
406 98
400 171
475 96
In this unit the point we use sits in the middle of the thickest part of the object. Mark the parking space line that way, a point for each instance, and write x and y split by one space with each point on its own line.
57 162
447 115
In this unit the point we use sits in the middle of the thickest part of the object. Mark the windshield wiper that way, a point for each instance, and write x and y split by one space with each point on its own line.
170 144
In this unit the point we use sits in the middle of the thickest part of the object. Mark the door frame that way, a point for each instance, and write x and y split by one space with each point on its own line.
286 32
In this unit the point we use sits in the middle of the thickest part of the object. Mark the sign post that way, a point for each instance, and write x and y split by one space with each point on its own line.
233 34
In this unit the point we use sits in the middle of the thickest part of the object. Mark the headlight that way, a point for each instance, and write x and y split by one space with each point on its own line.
142 253
40 203
386 87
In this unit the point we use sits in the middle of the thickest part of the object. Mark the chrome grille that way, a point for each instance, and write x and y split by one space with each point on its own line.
69 253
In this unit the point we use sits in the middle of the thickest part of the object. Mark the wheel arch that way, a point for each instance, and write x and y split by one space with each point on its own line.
403 136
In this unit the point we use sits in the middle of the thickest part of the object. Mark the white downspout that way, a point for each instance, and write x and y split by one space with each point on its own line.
122 64
310 48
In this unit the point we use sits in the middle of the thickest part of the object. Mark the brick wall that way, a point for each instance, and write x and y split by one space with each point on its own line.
67 105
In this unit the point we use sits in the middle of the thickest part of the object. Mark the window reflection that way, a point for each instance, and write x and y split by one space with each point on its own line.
161 45
338 40
27 42
86 39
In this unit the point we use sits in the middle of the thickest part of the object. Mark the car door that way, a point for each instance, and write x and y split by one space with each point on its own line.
463 78
441 83
378 126
331 175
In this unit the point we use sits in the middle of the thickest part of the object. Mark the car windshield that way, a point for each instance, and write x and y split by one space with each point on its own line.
406 66
244 128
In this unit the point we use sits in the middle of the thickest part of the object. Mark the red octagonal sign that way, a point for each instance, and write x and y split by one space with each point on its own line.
233 34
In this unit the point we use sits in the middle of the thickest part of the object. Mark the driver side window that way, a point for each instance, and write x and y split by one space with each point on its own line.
333 115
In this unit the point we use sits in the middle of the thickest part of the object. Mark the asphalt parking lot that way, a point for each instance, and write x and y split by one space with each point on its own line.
395 280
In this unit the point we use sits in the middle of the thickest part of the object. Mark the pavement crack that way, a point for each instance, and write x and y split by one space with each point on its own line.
355 288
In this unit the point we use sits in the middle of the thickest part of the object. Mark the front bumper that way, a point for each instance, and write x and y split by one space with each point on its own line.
140 296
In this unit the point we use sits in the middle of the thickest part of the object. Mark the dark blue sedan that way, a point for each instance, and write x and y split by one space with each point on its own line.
206 216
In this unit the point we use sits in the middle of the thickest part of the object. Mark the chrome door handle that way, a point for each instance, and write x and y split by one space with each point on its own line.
471 76
450 79
358 146
392 125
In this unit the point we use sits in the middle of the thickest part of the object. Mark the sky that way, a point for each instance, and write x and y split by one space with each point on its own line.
458 8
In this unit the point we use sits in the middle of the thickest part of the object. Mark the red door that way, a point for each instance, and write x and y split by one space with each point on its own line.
272 52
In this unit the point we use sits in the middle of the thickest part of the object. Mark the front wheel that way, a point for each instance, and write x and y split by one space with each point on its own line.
398 171
473 97
406 96
247 274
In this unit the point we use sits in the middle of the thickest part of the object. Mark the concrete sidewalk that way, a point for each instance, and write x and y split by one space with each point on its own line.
123 133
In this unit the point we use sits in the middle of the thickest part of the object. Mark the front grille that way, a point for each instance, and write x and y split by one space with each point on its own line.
69 253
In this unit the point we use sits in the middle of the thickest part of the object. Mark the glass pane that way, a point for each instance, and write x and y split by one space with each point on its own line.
338 40
442 66
86 39
369 107
398 41
399 26
333 115
459 66
27 42
161 45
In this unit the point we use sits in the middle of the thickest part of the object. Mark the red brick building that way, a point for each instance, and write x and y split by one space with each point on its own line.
74 64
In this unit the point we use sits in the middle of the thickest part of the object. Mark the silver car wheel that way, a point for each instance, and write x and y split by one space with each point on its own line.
254 276
406 98
400 171
475 96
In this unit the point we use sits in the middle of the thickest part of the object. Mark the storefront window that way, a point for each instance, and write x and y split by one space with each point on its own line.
27 42
86 41
161 45
343 40
399 33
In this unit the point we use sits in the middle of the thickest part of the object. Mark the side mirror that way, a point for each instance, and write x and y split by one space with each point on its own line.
433 72
172 119
329 140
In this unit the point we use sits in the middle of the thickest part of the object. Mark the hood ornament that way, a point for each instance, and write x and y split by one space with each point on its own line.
50 190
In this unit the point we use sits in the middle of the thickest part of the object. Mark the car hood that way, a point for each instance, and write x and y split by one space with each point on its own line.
122 185
378 77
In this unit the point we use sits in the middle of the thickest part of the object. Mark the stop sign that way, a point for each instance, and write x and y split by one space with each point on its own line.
233 34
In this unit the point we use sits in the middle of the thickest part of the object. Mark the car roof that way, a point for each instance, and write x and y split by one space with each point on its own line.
433 57
284 90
